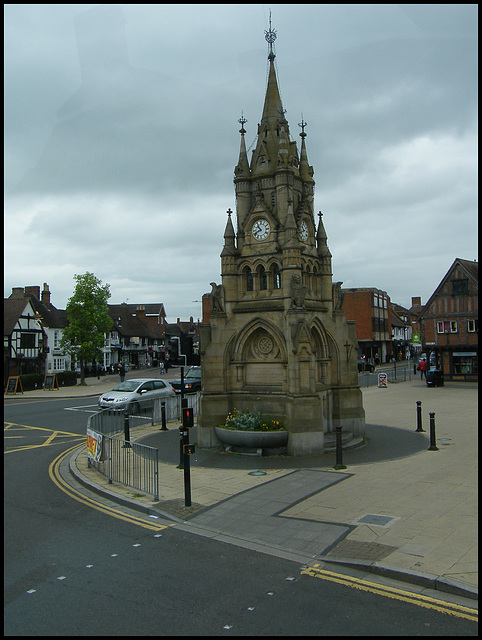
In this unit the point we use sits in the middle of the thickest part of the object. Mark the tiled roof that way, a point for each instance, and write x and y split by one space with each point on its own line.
12 310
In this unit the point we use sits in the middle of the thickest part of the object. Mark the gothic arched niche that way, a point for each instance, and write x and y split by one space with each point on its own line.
259 356
324 357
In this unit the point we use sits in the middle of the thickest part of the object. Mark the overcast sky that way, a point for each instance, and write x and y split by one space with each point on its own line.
122 134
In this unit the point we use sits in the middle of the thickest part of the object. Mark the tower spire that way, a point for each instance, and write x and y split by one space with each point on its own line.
270 37
242 168
306 171
265 155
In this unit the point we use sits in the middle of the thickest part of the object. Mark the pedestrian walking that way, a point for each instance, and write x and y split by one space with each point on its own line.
422 367
122 371
161 367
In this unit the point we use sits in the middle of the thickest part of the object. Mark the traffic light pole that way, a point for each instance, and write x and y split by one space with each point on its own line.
186 451
187 470
182 385
182 442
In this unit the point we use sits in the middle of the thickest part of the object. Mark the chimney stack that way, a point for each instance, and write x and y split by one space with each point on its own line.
34 290
46 295
17 293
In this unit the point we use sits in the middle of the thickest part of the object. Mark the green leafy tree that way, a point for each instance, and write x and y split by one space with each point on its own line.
89 320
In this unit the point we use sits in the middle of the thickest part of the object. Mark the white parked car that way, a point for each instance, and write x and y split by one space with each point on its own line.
136 394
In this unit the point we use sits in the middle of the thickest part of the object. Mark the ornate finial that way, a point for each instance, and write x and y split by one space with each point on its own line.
242 121
229 212
270 37
302 124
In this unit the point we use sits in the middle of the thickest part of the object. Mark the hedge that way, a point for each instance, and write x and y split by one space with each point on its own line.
32 381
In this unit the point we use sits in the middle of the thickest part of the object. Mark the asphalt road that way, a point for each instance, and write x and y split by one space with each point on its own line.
71 569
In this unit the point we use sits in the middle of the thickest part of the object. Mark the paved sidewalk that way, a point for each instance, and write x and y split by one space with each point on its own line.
96 386
398 509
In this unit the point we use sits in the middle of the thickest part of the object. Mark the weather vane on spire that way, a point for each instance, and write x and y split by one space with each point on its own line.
242 121
270 37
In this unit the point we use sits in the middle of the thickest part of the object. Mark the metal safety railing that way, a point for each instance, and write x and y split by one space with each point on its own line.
401 373
133 465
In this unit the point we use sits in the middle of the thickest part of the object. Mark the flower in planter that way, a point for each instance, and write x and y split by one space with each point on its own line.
247 421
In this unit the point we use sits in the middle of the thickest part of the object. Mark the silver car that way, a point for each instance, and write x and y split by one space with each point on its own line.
136 394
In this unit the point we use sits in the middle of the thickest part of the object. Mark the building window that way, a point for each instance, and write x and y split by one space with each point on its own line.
276 277
263 280
465 364
447 326
472 326
59 364
27 340
249 279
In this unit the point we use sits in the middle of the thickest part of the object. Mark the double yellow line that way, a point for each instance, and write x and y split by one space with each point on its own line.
314 571
391 592
57 479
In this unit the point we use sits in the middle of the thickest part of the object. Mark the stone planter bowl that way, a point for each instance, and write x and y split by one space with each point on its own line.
252 439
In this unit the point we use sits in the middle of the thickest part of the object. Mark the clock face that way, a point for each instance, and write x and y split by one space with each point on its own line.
304 230
261 229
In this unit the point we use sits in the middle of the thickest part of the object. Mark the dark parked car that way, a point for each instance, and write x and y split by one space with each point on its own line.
364 365
435 378
192 381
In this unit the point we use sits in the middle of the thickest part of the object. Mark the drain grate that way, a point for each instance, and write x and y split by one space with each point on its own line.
376 519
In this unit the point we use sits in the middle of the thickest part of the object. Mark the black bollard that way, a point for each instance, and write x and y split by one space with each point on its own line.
433 446
163 417
419 416
127 438
339 446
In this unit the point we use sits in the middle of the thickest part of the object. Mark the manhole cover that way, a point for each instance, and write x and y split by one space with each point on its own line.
372 518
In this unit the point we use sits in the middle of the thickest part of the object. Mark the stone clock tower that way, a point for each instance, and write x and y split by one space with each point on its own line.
276 339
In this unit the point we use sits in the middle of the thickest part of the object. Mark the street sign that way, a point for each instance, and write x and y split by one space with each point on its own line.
13 384
382 380
50 381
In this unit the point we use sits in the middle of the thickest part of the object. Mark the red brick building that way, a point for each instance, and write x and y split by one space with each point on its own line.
449 322
369 309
